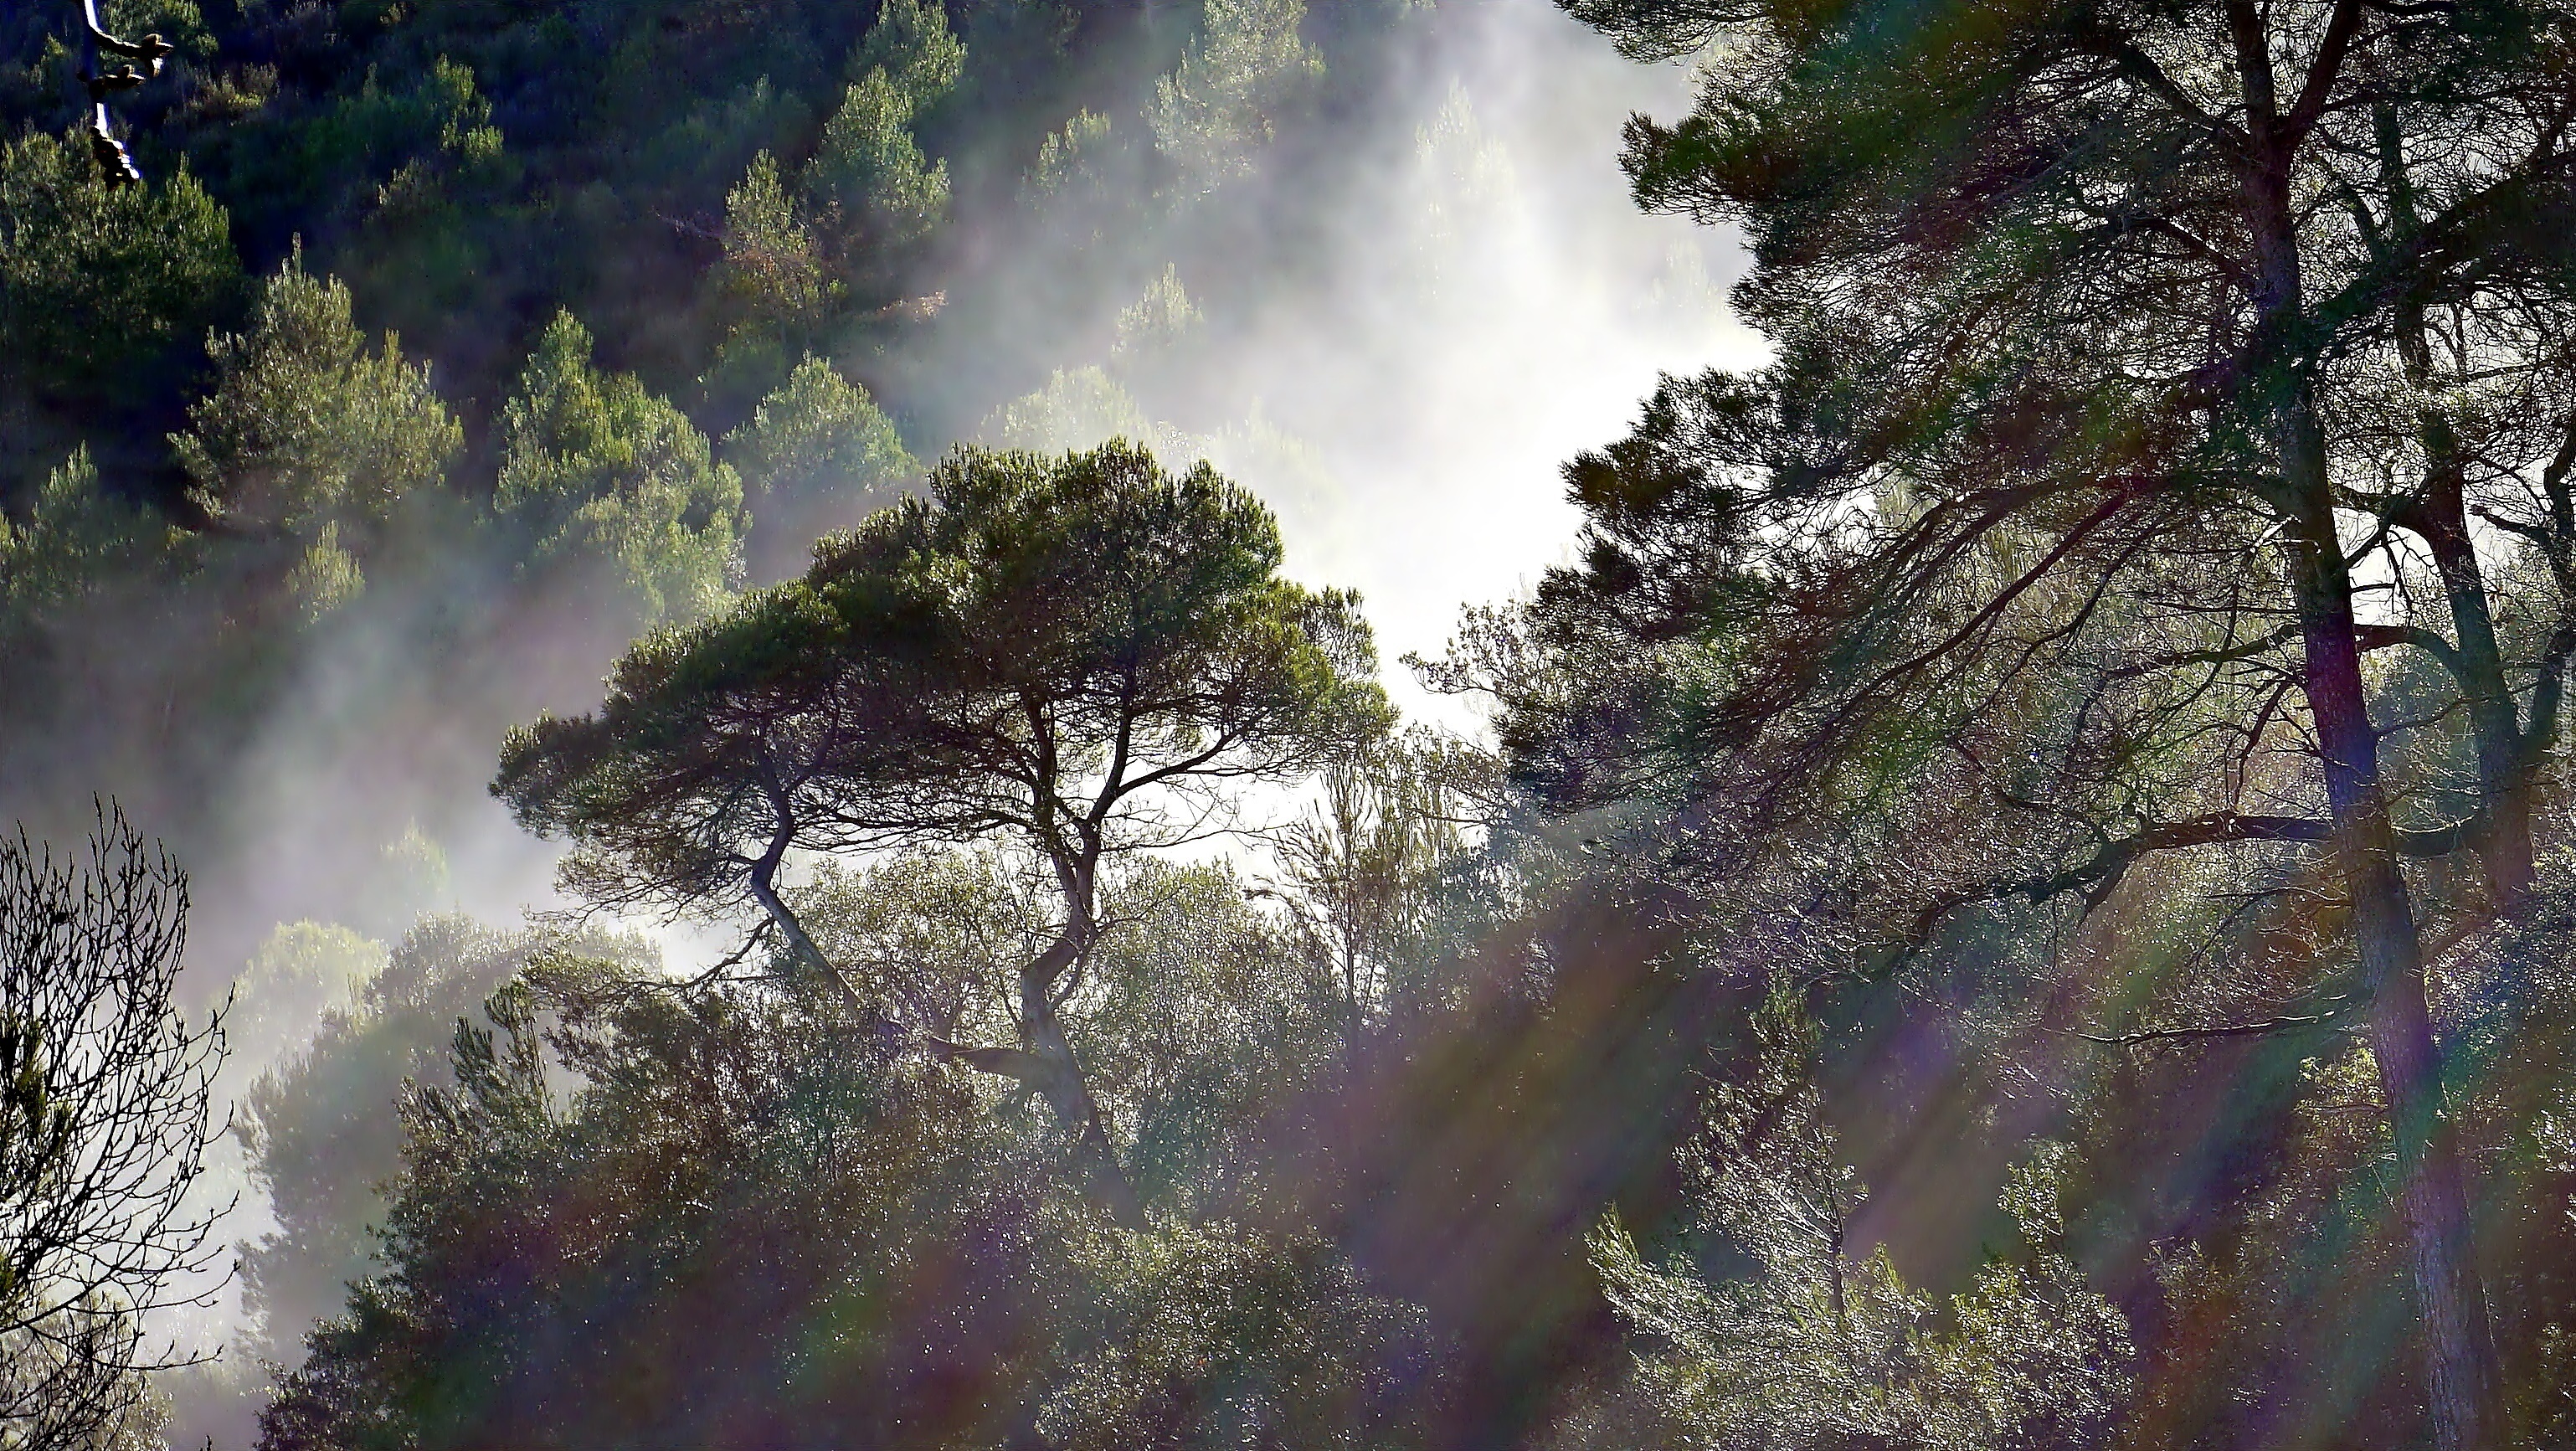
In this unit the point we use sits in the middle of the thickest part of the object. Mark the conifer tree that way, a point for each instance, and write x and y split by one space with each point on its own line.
1223 102
2072 304
592 465
816 455
310 436
1075 656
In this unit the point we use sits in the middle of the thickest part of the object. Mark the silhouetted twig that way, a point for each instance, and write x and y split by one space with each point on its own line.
103 82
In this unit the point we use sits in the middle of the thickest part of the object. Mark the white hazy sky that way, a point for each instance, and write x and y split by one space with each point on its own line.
1559 304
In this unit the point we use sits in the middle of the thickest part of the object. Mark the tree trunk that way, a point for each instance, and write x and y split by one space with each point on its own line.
1049 1066
1044 1063
2459 1350
2505 783
1058 1079
2440 515
764 890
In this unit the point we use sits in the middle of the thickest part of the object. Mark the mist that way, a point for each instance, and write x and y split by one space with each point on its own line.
1487 301
1985 866
1490 302
1450 293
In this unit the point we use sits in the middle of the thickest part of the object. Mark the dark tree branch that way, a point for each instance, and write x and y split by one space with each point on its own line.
105 1119
2097 874
2267 1027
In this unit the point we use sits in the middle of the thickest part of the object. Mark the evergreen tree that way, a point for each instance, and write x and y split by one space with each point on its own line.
74 541
911 43
834 1238
592 465
101 287
309 436
98 278
1818 1342
1072 656
2064 320
869 179
322 1126
816 455
1223 103
772 274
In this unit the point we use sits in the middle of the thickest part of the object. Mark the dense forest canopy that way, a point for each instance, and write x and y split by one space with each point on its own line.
2009 889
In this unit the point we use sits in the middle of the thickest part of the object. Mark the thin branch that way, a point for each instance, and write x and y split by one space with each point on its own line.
2265 1028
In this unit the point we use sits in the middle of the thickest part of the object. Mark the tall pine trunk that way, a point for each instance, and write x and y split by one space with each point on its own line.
2458 1344
2459 1349
2505 779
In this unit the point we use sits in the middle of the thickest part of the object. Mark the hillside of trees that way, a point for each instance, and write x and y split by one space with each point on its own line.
2012 889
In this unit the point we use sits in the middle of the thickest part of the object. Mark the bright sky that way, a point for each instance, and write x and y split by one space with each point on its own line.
1500 305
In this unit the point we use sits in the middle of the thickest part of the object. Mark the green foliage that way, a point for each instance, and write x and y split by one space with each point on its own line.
592 465
411 877
869 175
453 155
1161 318
1366 865
34 1130
869 179
1819 1343
386 155
833 1235
74 541
858 212
911 43
307 431
326 576
1078 408
180 22
1070 657
1124 605
1999 476
1223 103
1185 1009
819 455
818 434
933 936
772 271
1189 1003
953 777
98 280
826 1258
442 113
304 973
1211 1334
1071 155
320 1123
1192 1012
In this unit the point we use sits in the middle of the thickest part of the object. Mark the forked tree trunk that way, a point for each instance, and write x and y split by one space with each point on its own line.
1047 1065
1058 1079
1044 1062
2459 1350
2458 1345
2440 516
